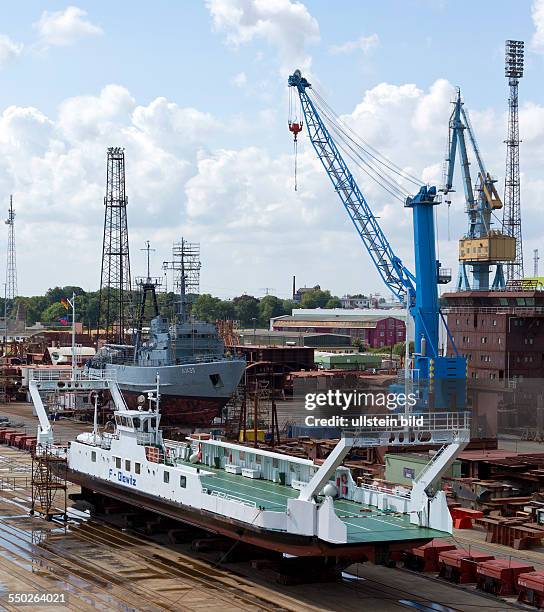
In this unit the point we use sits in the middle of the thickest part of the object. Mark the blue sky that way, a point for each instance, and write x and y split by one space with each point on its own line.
169 49
198 162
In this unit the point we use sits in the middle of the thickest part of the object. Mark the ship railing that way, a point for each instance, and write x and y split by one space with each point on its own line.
432 421
143 437
102 362
229 497
378 489
48 374
102 374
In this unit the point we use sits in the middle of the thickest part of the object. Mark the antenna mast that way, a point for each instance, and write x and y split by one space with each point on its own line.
11 267
115 306
186 267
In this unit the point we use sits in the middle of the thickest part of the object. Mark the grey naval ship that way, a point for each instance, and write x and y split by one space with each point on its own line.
196 377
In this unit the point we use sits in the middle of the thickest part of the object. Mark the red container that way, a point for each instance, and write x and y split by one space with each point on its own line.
11 435
460 565
4 433
426 556
16 440
500 577
531 589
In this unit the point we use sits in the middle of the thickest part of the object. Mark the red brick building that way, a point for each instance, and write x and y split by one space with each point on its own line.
500 332
376 328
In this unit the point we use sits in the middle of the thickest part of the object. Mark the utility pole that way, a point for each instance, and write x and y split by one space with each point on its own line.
536 259
511 220
115 303
11 266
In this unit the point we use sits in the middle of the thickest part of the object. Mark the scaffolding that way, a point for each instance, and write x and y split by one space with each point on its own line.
49 485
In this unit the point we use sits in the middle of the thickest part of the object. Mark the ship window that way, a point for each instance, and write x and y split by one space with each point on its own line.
127 465
136 467
182 481
166 476
152 423
275 463
118 419
136 422
118 462
93 456
216 380
146 426
242 455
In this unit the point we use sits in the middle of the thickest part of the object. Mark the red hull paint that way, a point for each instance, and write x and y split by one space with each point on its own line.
179 411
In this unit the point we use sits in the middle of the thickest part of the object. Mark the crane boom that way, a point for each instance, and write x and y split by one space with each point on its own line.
477 251
393 272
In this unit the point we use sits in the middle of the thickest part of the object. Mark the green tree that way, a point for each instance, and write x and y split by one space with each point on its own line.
206 308
334 302
270 306
226 310
317 298
247 309
289 305
53 313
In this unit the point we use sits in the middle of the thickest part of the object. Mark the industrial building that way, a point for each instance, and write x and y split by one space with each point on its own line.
375 328
501 333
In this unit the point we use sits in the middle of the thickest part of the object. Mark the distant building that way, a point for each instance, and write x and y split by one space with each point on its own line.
375 328
355 301
266 337
299 293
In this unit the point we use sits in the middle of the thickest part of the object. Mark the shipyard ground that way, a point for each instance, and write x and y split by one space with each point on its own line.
99 566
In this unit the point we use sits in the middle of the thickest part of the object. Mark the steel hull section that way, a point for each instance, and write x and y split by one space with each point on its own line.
301 546
189 395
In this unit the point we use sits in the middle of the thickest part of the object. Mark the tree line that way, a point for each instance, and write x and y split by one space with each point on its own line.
248 310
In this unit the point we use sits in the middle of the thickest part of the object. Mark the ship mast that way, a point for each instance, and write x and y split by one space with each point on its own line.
186 267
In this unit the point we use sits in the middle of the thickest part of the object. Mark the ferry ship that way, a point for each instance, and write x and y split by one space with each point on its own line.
259 496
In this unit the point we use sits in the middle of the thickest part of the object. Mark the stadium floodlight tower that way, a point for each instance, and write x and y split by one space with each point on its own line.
511 220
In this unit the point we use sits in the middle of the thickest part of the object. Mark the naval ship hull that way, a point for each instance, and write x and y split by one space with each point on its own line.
192 394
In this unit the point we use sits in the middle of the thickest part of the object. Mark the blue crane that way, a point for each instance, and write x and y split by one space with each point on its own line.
482 247
418 291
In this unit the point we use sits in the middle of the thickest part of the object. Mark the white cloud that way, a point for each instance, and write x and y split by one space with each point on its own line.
9 50
65 27
537 14
288 26
186 177
240 80
363 43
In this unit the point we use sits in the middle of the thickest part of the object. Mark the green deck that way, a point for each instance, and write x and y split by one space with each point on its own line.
366 526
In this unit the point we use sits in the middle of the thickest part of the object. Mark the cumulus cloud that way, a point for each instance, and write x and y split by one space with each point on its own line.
65 27
185 177
9 50
363 43
537 14
288 26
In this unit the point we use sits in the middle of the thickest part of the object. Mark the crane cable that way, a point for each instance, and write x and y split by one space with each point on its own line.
358 141
348 146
